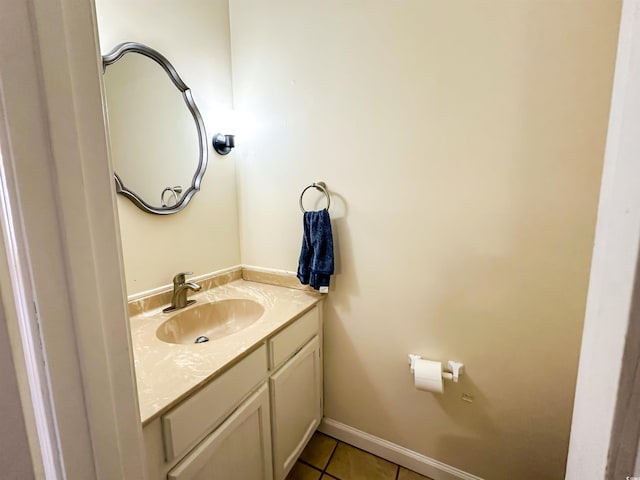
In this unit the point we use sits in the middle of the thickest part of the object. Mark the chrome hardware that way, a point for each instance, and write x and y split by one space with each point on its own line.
223 144
322 187
180 287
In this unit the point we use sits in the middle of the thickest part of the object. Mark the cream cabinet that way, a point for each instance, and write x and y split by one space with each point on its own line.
296 406
239 449
252 421
189 422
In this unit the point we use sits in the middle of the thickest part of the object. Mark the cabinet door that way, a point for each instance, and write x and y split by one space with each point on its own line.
239 449
296 406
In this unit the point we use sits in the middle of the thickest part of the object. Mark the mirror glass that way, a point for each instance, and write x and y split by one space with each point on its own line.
156 132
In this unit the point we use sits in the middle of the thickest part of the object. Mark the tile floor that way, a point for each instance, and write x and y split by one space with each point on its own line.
326 458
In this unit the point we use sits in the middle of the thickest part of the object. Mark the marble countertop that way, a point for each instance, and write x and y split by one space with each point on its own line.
167 373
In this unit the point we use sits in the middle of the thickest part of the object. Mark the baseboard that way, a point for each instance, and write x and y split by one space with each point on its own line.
392 452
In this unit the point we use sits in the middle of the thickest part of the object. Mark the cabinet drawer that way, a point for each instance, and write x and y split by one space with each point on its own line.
293 338
196 416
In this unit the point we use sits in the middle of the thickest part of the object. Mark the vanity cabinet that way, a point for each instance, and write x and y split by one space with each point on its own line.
252 421
296 406
190 421
239 449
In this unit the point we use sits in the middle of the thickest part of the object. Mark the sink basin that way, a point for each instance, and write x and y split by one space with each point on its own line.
210 321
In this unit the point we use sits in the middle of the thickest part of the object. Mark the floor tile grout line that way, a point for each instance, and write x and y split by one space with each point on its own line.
349 445
310 465
335 447
365 451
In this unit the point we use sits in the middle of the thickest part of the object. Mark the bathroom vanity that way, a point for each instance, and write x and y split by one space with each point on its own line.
242 406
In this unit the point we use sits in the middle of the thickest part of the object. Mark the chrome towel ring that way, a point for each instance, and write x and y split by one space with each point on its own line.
318 186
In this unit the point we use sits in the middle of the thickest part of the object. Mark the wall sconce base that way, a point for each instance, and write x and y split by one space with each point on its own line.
223 144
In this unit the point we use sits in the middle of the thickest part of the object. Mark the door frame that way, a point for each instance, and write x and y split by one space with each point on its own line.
69 282
606 422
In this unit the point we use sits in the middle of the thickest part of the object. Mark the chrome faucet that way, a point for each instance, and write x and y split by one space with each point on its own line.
180 287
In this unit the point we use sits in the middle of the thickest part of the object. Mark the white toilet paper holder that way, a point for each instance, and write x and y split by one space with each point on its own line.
456 368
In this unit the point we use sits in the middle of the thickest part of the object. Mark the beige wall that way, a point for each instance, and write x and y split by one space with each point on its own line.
463 145
194 36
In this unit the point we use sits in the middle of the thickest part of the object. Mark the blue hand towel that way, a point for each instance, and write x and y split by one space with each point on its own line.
316 256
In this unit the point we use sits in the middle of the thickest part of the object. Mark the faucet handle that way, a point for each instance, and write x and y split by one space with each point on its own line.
179 279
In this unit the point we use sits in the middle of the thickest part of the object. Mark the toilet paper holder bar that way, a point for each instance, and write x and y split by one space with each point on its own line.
456 368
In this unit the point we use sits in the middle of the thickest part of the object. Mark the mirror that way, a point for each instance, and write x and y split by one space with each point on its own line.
158 140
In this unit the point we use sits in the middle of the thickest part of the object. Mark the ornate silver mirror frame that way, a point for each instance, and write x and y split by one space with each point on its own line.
133 47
